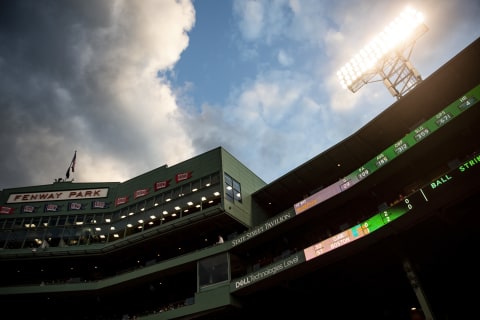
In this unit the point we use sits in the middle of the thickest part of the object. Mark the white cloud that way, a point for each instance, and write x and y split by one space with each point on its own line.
106 101
284 58
251 19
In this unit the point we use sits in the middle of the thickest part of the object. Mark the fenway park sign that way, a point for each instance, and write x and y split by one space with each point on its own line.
58 195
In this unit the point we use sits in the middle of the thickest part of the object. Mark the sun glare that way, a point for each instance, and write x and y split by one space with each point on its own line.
394 34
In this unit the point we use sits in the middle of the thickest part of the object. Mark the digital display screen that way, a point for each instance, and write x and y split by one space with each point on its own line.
467 102
453 180
443 118
381 160
421 133
398 148
381 219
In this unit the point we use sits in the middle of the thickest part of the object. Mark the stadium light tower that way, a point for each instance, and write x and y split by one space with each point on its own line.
387 56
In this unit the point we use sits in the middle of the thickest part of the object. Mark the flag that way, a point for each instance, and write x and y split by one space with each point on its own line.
99 205
51 207
72 165
161 184
140 193
75 206
121 200
28 209
183 176
6 210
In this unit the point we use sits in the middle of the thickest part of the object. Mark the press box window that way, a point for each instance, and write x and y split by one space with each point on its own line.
213 270
233 189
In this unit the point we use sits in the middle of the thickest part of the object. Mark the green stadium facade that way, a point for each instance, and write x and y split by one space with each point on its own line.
383 221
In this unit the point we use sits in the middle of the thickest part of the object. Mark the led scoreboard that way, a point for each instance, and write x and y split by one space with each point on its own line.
430 195
398 148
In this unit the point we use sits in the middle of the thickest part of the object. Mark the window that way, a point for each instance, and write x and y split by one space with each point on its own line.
213 270
233 190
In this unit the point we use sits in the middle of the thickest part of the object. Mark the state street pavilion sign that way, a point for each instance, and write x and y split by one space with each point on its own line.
58 195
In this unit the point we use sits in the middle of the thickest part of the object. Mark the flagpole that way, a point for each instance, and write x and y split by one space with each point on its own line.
71 167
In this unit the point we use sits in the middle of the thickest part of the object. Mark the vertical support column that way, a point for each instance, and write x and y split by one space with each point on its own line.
417 288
